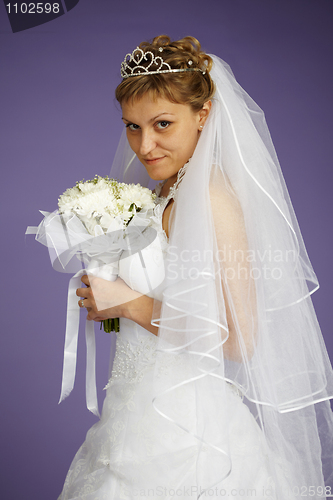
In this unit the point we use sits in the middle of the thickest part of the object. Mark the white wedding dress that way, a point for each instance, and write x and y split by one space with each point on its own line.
134 452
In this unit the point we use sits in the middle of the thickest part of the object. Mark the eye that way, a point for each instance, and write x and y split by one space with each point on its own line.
132 126
162 124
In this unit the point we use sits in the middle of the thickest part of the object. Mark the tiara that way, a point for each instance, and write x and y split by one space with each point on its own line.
138 55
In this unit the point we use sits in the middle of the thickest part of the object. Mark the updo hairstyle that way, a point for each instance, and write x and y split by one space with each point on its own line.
190 87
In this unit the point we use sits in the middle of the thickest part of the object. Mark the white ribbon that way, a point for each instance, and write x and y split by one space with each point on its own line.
70 349
91 390
95 268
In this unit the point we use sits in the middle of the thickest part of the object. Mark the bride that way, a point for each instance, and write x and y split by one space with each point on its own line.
221 381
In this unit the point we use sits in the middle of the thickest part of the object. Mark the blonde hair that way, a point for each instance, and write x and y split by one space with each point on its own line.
191 87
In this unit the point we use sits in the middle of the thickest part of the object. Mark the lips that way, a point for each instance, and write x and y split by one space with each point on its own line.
153 161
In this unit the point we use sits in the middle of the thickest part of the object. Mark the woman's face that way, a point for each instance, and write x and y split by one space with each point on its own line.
163 134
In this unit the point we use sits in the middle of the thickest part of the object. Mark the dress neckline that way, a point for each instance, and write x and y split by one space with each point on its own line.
161 202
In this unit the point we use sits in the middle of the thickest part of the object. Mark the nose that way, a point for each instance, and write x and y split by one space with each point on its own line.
148 142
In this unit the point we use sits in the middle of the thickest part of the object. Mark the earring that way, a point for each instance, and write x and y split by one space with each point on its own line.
201 127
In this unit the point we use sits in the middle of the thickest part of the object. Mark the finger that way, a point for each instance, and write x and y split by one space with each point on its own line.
82 292
85 280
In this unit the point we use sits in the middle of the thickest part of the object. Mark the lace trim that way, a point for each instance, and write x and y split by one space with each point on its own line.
173 190
162 201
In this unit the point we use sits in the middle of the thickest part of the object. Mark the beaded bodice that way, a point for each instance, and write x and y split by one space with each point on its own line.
133 359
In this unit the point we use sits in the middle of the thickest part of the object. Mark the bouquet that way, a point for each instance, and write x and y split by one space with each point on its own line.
98 221
103 206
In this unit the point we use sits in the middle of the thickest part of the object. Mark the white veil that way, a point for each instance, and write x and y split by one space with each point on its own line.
237 264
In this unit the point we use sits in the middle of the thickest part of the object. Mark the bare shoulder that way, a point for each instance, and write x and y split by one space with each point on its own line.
226 209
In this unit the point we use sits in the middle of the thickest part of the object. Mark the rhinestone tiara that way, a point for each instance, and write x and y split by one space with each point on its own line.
138 55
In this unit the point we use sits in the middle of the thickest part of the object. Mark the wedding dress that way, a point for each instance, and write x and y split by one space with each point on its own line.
133 451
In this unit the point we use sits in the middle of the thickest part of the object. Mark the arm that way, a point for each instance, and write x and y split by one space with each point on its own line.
114 299
237 282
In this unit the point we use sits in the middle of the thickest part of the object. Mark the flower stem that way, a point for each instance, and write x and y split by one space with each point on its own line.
110 325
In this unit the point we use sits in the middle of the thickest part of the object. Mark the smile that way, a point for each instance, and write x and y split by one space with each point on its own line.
153 161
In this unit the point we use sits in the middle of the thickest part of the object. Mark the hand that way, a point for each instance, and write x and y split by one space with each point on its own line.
105 299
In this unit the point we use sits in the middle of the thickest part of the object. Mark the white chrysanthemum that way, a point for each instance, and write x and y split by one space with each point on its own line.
86 187
100 201
68 200
141 197
96 204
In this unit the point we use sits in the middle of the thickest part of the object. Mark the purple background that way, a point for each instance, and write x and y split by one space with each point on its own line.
59 124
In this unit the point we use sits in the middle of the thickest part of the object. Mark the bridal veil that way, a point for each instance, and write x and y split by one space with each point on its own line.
237 299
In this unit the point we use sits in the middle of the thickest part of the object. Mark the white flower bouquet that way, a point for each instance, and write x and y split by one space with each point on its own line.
98 222
104 206
93 223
